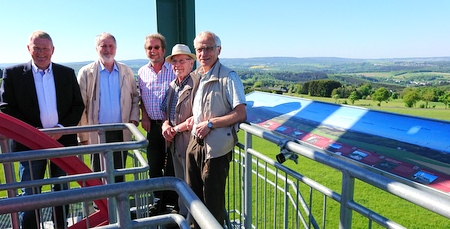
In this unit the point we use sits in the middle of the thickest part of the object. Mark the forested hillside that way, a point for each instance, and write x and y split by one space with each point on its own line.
426 79
413 79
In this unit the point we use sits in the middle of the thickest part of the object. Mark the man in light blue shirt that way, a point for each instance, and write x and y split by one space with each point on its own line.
110 95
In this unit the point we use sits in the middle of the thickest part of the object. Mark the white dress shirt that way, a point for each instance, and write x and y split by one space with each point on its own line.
46 94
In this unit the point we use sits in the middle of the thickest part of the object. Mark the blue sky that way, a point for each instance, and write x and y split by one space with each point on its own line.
248 28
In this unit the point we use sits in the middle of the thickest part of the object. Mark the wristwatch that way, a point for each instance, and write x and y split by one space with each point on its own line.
210 125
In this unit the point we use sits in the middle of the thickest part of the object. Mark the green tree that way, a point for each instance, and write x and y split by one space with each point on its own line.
353 97
257 84
248 82
365 90
323 88
380 95
445 99
410 98
343 91
298 88
305 88
428 95
335 95
394 95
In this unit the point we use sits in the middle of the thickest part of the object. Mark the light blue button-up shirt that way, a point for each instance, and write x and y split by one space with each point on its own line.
46 94
110 111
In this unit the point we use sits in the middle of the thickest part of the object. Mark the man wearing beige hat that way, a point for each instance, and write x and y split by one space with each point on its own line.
177 107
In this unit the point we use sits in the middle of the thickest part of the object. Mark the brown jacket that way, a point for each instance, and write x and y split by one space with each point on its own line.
183 110
89 81
219 141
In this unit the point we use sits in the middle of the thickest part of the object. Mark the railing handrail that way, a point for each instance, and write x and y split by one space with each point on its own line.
196 207
433 201
139 142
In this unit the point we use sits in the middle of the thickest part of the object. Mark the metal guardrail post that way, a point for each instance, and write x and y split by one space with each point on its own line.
124 216
348 189
248 182
9 177
108 166
286 202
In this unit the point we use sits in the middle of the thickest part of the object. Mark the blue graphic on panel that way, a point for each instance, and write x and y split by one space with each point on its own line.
411 147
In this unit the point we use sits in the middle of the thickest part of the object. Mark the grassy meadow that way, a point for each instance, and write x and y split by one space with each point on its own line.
406 76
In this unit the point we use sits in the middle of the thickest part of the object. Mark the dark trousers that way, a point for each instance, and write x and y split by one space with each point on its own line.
207 177
120 157
160 160
35 170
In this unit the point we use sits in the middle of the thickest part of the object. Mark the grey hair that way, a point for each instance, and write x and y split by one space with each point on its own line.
104 34
216 38
40 34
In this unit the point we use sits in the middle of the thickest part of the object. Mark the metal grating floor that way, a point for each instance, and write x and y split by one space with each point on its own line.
46 213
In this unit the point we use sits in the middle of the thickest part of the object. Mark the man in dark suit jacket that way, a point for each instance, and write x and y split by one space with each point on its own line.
44 95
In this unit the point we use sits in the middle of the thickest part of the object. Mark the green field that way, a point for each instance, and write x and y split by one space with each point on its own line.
407 76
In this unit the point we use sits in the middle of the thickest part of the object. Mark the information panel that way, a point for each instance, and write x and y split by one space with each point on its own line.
415 148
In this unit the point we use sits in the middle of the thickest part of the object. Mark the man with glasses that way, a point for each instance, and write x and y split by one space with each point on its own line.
154 80
177 106
219 105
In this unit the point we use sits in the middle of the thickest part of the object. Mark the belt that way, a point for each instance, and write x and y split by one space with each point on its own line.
160 122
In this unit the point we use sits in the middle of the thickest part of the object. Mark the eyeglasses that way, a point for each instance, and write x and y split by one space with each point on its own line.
157 47
182 61
206 49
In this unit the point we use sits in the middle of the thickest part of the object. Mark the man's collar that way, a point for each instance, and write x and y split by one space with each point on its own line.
202 71
102 67
165 65
183 82
36 69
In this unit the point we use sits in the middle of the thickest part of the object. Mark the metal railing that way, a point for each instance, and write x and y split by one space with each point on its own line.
121 192
263 193
130 200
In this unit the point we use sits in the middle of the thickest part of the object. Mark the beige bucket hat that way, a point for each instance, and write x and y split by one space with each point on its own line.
180 49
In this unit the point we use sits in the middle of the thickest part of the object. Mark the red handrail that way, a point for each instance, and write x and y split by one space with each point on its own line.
34 139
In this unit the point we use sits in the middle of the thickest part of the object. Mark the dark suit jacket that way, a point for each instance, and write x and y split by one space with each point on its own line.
18 93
